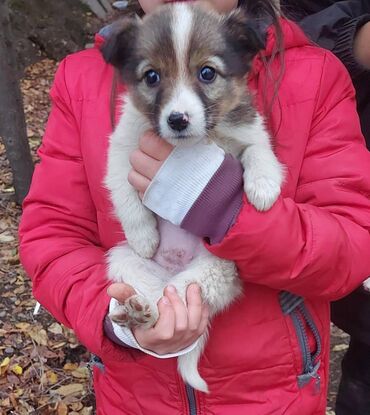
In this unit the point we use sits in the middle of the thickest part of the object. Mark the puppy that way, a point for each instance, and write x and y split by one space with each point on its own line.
185 69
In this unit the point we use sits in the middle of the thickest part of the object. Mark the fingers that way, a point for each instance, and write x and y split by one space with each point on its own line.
120 291
154 146
144 164
178 325
195 306
165 326
204 319
138 181
181 313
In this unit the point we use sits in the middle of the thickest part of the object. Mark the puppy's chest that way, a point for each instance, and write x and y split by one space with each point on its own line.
177 247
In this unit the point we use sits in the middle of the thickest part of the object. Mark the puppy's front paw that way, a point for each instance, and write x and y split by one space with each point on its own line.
262 192
366 284
134 312
263 179
143 236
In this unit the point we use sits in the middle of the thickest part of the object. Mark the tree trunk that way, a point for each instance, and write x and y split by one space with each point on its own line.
12 121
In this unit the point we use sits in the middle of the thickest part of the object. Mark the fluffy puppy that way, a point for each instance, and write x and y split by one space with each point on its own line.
185 69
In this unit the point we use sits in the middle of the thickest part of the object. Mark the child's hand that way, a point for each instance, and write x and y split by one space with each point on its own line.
361 45
147 160
178 326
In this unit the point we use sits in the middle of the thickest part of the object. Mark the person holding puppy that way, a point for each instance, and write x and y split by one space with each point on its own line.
269 352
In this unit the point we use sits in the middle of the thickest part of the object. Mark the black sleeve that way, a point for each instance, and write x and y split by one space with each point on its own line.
335 27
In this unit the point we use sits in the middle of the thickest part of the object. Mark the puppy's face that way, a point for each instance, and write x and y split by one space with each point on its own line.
185 67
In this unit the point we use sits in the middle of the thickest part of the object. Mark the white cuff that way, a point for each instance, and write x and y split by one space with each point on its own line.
181 179
125 335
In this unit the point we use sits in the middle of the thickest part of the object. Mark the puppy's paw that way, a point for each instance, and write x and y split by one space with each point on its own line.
366 284
262 192
136 311
143 236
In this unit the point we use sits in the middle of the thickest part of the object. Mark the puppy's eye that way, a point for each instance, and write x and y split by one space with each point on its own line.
207 74
152 78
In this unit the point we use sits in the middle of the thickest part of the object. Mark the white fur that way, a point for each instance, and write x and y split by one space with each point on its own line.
181 31
366 284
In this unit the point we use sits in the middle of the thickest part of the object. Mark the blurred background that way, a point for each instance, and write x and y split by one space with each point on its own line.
43 368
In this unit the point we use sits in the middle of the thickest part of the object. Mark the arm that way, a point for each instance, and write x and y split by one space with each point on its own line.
59 243
341 29
317 244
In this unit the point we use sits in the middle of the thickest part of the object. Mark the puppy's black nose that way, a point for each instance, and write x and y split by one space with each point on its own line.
178 121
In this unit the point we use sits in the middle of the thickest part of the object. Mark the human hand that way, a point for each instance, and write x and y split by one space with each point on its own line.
147 160
361 46
178 325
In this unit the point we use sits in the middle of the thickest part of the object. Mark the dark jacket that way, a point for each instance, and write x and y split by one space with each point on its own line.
333 25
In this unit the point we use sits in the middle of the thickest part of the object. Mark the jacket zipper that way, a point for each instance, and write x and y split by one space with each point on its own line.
190 394
294 306
310 369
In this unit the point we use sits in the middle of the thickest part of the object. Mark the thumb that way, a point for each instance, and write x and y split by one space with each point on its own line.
120 291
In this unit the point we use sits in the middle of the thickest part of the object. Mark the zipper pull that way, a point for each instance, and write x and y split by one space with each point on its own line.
317 384
317 378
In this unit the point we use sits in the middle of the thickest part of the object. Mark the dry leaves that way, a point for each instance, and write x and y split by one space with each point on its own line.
42 366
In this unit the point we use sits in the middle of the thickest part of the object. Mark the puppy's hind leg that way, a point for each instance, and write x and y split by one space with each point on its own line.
146 277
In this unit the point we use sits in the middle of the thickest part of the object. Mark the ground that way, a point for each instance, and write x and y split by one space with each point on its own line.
43 369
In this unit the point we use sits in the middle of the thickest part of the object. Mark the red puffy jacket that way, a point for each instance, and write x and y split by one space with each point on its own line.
267 353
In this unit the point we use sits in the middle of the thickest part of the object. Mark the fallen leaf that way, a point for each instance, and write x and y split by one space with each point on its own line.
4 366
22 326
87 410
58 345
17 369
6 237
81 373
69 389
39 336
340 347
55 328
62 409
52 377
76 406
70 366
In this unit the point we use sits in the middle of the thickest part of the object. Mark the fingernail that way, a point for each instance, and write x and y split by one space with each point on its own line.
194 287
171 288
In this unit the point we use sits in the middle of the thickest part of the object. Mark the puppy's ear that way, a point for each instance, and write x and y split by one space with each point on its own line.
244 36
119 46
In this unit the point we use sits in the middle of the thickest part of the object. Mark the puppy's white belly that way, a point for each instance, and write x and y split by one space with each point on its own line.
177 247
176 250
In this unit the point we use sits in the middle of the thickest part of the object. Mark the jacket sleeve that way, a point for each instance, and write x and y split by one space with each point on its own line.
318 244
59 242
335 27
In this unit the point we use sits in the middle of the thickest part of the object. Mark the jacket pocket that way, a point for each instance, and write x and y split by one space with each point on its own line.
294 307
